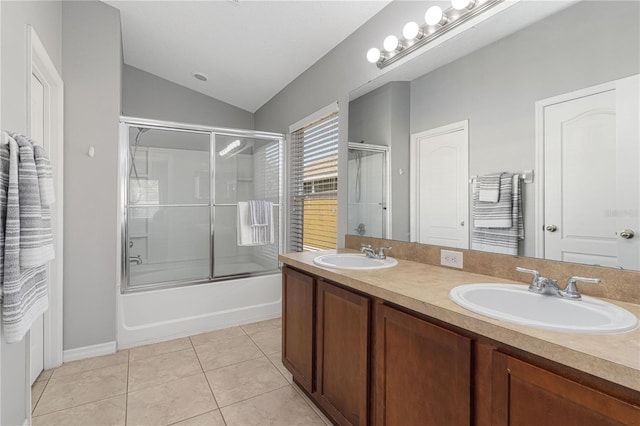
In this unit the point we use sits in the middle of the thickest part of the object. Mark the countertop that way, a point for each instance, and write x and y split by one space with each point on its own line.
425 289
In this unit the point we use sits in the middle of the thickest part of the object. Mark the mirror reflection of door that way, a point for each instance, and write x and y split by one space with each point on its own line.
591 213
369 210
440 186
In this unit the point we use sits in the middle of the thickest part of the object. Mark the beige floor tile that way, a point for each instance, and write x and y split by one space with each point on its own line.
270 341
244 380
212 418
162 368
230 351
276 359
45 375
36 392
280 407
73 367
312 405
106 412
256 327
216 336
159 348
170 402
81 388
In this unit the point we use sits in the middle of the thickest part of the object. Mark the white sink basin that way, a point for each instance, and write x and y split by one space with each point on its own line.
353 261
515 304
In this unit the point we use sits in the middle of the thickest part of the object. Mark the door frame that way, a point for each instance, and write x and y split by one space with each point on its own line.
39 63
539 154
414 183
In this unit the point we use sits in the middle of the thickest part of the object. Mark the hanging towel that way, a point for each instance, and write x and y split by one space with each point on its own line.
501 239
495 214
489 188
255 223
25 226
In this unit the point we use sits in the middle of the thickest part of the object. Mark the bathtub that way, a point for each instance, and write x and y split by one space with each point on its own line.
163 314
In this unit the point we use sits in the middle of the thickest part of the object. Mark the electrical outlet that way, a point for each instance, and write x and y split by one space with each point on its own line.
451 258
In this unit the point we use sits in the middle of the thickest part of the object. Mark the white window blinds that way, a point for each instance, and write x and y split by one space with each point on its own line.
314 185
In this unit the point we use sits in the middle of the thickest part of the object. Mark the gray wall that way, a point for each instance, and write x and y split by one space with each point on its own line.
496 87
145 95
46 18
381 117
91 66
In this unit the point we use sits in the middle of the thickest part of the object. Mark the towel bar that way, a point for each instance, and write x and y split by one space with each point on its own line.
526 176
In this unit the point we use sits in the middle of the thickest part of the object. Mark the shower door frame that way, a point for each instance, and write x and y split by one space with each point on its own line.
126 123
386 150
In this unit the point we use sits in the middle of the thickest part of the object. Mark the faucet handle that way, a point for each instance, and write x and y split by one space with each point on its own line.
381 252
533 272
363 245
571 290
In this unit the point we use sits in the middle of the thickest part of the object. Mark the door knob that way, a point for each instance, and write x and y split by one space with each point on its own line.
551 228
627 234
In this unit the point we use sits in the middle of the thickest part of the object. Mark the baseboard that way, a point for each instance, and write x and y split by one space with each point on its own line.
89 351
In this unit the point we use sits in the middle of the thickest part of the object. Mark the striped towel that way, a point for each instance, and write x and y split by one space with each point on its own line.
489 188
26 242
261 217
495 214
501 239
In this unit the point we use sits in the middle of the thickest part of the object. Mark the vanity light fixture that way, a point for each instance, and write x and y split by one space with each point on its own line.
437 23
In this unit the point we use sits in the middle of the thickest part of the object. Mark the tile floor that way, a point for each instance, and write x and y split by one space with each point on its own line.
226 377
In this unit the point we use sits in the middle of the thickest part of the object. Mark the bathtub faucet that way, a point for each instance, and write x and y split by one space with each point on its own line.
136 259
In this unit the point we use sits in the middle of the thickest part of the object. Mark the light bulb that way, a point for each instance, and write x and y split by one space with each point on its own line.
462 4
411 31
373 55
391 43
434 16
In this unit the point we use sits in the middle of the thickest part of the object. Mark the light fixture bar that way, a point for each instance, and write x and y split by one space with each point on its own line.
450 25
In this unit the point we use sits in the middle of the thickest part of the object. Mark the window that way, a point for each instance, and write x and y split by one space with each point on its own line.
314 185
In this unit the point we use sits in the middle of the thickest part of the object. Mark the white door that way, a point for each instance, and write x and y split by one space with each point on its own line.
440 188
37 133
591 180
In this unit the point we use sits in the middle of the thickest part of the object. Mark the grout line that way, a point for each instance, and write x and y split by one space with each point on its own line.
40 397
193 417
253 397
310 403
206 379
80 405
89 370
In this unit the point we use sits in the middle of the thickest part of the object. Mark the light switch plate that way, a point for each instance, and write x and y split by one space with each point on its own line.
451 258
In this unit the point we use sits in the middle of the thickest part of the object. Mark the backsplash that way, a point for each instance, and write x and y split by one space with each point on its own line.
616 284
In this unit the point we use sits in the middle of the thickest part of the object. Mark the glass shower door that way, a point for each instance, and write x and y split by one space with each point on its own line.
246 169
168 206
367 190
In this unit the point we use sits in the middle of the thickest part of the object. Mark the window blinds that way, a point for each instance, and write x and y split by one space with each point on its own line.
314 185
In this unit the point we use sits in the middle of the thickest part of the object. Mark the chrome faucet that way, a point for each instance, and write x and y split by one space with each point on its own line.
371 253
544 285
136 259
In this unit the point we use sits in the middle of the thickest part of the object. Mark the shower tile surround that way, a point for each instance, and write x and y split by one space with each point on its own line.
622 285
168 383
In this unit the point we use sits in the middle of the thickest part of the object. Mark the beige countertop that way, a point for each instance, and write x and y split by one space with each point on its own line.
425 289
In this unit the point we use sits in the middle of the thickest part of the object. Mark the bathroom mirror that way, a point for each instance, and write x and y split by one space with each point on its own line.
499 90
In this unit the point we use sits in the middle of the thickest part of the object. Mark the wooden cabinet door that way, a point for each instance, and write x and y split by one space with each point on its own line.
524 394
343 354
422 372
298 336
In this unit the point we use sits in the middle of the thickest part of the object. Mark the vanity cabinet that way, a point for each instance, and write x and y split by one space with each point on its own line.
298 326
364 361
524 394
422 372
343 354
326 344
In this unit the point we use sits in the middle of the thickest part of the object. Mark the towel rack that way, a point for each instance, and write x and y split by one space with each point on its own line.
526 176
